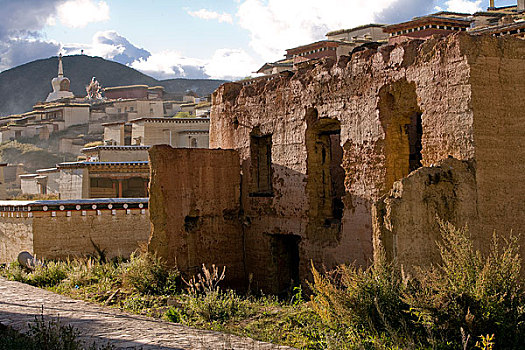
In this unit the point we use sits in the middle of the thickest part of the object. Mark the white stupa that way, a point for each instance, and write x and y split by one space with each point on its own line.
60 85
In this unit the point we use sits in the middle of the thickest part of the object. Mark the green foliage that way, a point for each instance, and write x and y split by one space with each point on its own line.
464 298
183 115
472 294
45 335
147 274
15 272
362 306
49 274
216 306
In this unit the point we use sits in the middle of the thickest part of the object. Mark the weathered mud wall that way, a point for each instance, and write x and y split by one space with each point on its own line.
194 208
406 225
390 111
16 236
67 233
498 99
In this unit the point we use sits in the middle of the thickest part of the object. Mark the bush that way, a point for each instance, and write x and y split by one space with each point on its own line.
15 272
49 274
45 335
467 298
360 305
147 274
216 306
470 295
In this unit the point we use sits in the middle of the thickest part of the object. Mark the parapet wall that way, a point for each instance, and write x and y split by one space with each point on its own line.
71 228
195 204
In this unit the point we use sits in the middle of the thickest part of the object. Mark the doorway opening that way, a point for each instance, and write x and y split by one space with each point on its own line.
285 259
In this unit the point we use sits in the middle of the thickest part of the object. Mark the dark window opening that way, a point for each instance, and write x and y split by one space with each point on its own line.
127 134
285 259
135 187
191 223
414 130
261 158
401 119
326 176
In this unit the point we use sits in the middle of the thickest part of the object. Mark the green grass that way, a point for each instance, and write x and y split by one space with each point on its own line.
45 335
469 301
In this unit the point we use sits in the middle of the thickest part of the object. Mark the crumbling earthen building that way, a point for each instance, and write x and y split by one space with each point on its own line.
343 157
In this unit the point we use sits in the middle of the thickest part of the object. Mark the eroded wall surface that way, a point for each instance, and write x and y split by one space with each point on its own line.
16 236
390 111
406 226
195 204
498 91
118 233
61 234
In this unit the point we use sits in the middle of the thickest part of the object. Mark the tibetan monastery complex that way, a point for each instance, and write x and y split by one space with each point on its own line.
345 148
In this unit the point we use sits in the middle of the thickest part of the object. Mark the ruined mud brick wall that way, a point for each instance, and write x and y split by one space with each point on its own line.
462 94
406 226
195 203
62 229
493 200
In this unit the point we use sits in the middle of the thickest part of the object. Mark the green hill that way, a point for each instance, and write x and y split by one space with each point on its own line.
21 87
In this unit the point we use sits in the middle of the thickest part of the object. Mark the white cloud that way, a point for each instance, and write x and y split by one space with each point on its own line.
229 64
170 64
464 6
206 14
79 13
276 25
111 45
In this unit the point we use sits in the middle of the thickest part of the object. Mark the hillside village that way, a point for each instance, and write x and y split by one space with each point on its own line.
345 151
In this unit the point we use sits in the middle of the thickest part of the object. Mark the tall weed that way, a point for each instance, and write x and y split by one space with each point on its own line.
470 293
466 297
147 274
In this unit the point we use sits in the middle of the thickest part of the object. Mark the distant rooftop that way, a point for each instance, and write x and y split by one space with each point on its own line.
85 164
342 31
169 120
115 148
74 204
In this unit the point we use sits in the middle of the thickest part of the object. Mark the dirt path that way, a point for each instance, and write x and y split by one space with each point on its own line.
19 303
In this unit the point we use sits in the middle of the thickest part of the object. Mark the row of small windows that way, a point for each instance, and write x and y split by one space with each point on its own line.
510 32
315 51
131 109
430 26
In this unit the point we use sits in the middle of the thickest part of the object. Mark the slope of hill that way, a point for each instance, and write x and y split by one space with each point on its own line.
21 87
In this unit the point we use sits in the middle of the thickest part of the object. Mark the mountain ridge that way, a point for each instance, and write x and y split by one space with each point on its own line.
22 86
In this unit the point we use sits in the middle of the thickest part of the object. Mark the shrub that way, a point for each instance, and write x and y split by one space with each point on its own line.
466 298
216 306
470 295
45 335
48 274
15 272
206 282
358 303
147 274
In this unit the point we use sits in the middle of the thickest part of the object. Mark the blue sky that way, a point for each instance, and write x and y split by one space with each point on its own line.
191 38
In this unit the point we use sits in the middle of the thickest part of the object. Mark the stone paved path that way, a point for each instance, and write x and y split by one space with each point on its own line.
19 303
